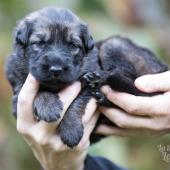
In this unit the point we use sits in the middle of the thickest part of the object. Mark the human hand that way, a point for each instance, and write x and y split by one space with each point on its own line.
43 137
139 115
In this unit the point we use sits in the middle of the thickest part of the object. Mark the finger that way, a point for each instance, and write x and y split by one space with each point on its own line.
125 120
116 131
156 105
92 123
44 129
154 83
69 94
88 128
57 144
89 111
26 98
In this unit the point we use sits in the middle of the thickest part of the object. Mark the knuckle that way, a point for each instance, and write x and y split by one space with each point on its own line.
158 126
40 140
166 111
109 96
120 122
162 127
21 129
83 144
22 100
132 109
43 143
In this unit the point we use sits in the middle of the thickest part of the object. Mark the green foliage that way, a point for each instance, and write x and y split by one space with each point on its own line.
91 6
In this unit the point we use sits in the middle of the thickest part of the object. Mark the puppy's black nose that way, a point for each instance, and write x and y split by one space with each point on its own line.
55 70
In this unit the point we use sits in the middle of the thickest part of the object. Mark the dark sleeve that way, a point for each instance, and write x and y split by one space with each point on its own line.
99 163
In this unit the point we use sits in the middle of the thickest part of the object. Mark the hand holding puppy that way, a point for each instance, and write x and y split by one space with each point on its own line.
43 137
140 115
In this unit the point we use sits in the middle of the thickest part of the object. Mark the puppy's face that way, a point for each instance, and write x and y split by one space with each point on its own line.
55 42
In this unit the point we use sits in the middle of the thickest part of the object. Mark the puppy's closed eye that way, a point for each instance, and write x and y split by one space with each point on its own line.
75 45
38 43
76 42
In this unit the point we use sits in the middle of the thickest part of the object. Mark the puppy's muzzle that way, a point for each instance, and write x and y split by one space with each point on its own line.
56 70
56 65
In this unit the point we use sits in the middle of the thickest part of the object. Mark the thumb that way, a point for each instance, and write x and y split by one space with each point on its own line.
154 83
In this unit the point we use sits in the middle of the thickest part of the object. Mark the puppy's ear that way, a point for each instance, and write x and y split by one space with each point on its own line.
87 39
23 32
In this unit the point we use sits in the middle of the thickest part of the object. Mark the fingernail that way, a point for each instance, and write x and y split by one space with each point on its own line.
105 89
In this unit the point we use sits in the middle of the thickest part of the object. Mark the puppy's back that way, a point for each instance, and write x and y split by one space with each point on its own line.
122 49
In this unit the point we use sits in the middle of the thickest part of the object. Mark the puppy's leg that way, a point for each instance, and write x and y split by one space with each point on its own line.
14 105
71 127
47 106
16 91
119 80
95 80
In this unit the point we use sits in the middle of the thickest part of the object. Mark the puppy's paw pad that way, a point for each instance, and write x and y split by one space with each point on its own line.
92 76
91 79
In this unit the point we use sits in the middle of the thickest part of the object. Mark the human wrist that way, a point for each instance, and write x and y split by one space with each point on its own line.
66 160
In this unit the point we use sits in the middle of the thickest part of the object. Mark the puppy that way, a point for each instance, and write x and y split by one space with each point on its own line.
121 62
55 46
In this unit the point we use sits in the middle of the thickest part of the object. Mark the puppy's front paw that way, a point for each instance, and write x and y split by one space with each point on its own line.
47 107
91 79
71 133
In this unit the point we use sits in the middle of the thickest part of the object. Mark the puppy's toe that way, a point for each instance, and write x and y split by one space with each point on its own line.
71 136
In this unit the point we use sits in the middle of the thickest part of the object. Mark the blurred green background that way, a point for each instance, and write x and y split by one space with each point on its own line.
145 21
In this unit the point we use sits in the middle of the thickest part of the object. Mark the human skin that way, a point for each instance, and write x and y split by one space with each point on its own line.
43 138
149 115
139 115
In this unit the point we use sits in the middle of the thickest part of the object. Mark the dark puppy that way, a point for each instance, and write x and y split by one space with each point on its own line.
56 47
51 44
121 62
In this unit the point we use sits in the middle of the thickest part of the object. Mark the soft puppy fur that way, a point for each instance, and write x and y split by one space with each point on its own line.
55 46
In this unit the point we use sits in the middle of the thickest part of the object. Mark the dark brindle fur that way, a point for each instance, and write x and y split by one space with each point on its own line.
55 46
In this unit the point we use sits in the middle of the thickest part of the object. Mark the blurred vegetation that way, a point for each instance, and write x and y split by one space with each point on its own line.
146 22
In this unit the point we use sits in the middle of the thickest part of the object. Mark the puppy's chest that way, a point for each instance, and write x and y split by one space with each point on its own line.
52 87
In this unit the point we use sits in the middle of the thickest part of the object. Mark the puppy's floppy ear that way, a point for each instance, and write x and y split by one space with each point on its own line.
87 39
23 32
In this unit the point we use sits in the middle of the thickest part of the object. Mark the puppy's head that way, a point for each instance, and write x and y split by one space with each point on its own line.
55 42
